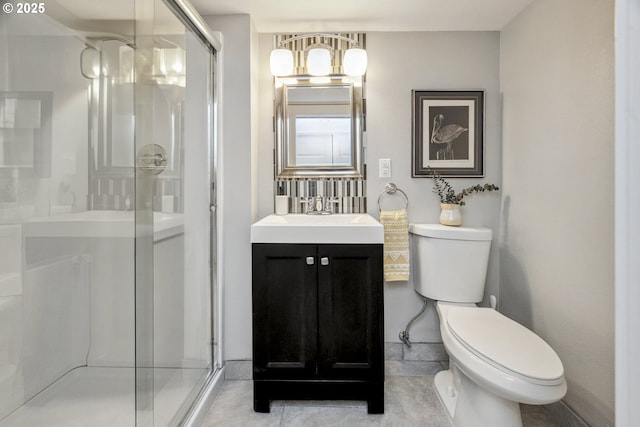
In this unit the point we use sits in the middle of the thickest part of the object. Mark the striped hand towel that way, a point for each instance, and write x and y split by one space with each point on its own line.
396 245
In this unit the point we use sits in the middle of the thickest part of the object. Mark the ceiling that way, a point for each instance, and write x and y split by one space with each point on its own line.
274 16
303 16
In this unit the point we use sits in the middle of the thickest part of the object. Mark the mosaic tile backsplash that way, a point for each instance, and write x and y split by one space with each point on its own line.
348 194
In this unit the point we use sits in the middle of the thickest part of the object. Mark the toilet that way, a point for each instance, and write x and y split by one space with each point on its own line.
494 362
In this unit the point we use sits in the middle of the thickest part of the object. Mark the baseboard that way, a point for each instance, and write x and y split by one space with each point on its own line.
561 411
393 351
418 351
238 370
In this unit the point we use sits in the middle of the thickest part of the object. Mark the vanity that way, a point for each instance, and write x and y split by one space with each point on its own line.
318 309
317 277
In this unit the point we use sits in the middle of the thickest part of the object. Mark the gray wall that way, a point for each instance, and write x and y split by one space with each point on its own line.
237 175
627 177
627 212
398 63
265 128
556 252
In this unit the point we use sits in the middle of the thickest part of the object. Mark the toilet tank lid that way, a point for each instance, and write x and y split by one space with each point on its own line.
440 231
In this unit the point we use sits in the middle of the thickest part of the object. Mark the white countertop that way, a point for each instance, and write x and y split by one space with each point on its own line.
317 229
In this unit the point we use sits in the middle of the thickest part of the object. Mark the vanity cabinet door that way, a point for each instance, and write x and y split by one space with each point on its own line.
284 306
350 312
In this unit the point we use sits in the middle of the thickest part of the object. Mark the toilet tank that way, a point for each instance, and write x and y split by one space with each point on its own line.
449 263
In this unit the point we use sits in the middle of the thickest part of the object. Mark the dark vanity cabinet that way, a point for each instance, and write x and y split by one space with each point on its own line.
318 323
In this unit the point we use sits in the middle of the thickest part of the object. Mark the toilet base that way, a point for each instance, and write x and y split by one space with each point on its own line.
443 381
469 405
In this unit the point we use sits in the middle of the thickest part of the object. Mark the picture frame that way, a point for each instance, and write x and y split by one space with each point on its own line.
447 133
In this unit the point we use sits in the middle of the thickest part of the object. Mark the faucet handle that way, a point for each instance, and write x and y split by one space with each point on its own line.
330 202
308 202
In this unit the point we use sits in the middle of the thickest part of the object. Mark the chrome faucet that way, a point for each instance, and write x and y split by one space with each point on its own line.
318 205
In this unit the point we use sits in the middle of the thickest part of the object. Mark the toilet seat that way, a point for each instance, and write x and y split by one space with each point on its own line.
505 344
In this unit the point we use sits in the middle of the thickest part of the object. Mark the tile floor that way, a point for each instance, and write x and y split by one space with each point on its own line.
410 400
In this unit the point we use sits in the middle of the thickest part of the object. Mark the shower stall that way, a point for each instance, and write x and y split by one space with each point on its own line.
109 296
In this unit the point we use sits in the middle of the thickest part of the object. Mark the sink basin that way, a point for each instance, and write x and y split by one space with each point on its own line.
302 228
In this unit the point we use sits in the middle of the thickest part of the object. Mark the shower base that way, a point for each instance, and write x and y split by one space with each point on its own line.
104 397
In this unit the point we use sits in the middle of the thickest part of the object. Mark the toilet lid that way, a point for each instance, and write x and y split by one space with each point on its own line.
504 343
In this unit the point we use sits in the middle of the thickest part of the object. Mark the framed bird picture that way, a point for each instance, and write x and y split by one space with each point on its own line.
447 133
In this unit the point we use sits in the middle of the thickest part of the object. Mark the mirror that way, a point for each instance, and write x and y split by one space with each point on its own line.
318 129
112 103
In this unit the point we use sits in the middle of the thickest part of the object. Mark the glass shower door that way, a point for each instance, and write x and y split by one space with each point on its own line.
106 229
67 284
175 267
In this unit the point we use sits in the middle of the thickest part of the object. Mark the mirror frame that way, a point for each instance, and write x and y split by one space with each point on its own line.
282 167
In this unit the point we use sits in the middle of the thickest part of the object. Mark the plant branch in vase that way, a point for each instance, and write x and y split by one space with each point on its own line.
450 201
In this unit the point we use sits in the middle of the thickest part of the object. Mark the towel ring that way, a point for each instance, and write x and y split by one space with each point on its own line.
391 188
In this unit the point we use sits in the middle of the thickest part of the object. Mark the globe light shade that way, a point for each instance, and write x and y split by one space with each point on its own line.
355 62
319 62
281 62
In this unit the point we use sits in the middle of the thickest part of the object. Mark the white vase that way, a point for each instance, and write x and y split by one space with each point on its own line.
450 214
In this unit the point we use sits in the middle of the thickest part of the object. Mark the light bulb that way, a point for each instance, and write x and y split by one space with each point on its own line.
281 62
319 62
355 62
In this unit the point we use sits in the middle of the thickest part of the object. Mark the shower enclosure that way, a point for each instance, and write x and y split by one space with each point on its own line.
108 261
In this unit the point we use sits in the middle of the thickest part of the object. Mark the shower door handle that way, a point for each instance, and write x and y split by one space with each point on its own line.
151 159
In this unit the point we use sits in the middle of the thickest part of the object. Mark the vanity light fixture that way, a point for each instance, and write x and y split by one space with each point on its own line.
319 57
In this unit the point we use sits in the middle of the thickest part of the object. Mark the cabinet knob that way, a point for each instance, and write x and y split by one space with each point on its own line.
324 260
310 260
